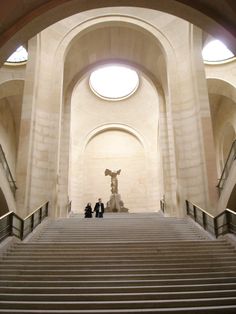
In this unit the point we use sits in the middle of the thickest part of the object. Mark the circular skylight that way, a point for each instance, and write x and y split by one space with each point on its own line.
215 51
114 82
20 55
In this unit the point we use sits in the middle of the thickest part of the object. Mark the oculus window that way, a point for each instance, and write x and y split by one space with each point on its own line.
216 51
20 55
114 82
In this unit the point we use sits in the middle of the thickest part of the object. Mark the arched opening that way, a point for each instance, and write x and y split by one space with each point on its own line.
3 204
11 94
232 200
223 113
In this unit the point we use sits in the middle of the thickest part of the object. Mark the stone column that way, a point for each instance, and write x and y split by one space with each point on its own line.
24 161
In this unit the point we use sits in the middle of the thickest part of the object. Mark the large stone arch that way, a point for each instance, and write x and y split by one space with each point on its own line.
31 19
152 34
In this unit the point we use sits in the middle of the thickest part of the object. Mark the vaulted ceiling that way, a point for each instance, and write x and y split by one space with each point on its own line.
21 19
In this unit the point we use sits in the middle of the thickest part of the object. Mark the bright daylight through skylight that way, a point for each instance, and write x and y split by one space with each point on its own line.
215 50
20 55
114 82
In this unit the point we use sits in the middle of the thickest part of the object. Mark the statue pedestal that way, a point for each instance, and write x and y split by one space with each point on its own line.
115 204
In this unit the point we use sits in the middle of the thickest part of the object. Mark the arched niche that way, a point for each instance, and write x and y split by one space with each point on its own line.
115 149
127 132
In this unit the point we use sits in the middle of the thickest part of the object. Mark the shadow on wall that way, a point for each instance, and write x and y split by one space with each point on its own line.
232 200
3 204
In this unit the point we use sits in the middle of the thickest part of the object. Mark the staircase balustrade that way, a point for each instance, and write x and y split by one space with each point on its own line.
225 173
7 171
218 225
13 225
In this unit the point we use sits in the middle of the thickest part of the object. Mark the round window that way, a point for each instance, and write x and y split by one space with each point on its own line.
114 82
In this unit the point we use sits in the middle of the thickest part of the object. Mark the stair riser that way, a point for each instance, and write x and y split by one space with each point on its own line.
74 277
125 289
119 283
117 272
116 297
117 305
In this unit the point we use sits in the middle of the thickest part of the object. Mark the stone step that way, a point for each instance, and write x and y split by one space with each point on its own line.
21 276
119 254
126 245
120 289
85 297
225 309
137 264
62 270
121 259
50 281
143 265
101 305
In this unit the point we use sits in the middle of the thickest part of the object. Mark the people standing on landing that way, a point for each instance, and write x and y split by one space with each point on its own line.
99 209
88 211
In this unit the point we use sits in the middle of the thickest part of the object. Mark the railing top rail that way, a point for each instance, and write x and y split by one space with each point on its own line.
226 210
203 210
9 213
8 168
35 210
231 211
226 163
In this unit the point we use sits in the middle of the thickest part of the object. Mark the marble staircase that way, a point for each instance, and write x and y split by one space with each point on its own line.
123 263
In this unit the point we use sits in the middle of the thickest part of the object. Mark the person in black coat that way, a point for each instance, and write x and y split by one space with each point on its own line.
99 209
88 211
